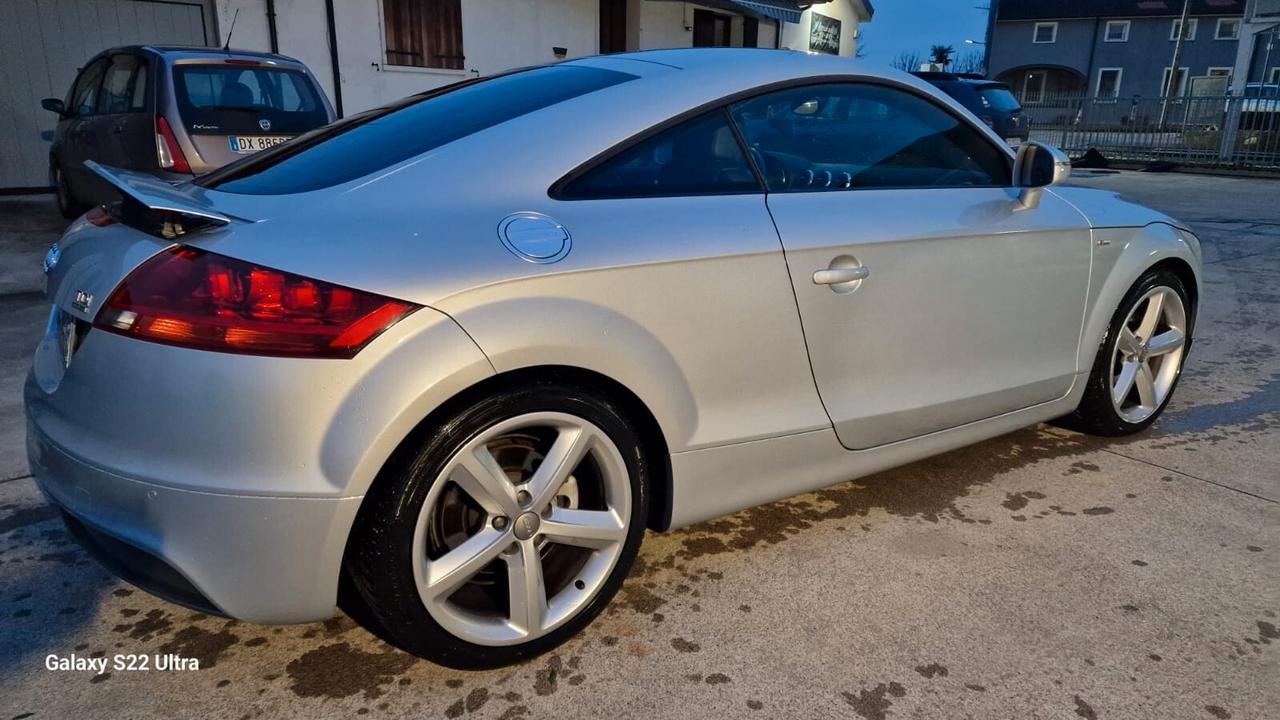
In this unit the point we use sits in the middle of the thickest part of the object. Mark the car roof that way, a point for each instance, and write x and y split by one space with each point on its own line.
973 80
184 52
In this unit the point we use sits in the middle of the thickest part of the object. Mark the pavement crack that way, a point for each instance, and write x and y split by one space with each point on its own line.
20 477
1193 477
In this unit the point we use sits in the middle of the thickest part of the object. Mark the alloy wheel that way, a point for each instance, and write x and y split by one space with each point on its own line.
1148 354
521 528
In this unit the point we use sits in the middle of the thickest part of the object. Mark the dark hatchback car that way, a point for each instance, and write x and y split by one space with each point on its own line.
991 101
175 112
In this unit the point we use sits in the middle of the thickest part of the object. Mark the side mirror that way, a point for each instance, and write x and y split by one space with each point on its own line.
54 105
1039 166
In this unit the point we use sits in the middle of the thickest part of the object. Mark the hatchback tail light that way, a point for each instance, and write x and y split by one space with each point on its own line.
168 151
196 299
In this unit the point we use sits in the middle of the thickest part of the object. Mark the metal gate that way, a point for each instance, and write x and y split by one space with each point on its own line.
1225 131
44 42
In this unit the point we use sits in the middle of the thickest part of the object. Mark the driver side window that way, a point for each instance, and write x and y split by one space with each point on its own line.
863 136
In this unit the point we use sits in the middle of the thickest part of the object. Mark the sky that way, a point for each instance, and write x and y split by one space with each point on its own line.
917 24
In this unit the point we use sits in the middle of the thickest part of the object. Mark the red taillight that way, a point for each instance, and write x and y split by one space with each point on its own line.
197 299
168 152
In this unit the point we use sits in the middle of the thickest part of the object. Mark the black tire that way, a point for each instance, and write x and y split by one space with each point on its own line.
1096 415
68 205
378 562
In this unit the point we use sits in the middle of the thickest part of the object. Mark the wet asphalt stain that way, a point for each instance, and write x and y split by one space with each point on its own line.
204 645
932 670
1082 467
718 679
1097 511
874 704
26 517
685 646
1218 712
1256 410
339 670
544 682
1019 500
1084 710
154 623
1267 632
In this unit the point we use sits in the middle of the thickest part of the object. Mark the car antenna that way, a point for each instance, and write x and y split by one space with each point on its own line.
226 47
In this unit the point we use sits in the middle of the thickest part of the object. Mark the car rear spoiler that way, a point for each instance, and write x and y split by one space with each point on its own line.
159 195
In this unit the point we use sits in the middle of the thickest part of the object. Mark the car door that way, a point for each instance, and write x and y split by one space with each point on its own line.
78 144
930 297
677 227
125 130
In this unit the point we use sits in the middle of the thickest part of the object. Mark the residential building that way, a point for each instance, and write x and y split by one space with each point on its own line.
368 52
1125 48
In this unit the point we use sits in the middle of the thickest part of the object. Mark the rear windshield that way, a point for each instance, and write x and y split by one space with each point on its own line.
999 98
225 99
377 139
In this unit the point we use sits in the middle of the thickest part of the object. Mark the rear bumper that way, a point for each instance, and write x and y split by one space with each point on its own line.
255 558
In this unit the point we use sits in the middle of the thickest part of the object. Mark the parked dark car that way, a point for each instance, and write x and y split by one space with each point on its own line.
991 101
175 112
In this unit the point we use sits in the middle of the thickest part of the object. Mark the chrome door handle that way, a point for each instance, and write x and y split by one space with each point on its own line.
836 276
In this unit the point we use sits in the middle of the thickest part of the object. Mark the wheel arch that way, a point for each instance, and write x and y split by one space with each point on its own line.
1155 246
592 382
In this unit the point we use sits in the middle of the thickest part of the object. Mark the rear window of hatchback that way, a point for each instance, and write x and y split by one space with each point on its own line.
227 99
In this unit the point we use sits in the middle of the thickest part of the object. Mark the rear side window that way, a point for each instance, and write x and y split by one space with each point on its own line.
860 136
226 99
999 98
377 139
124 86
698 157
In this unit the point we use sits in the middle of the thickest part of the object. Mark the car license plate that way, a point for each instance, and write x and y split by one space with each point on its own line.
249 144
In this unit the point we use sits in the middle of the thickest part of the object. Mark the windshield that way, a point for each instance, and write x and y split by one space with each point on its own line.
380 138
258 100
999 98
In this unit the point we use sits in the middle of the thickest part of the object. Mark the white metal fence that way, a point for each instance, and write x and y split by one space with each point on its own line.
1218 131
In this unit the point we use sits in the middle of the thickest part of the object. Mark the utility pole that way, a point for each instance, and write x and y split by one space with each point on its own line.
1177 58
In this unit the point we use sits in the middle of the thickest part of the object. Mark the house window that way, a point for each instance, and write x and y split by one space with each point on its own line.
424 33
1220 72
1046 32
750 32
1179 82
1274 77
710 29
1192 25
1033 87
1109 82
1117 31
1228 29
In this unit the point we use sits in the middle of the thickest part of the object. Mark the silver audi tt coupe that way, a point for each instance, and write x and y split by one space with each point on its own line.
444 362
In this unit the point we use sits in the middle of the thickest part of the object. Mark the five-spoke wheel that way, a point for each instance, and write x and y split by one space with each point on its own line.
1140 360
1148 354
503 531
538 504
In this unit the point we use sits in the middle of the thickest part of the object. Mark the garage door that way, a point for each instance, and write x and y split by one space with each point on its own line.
44 42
